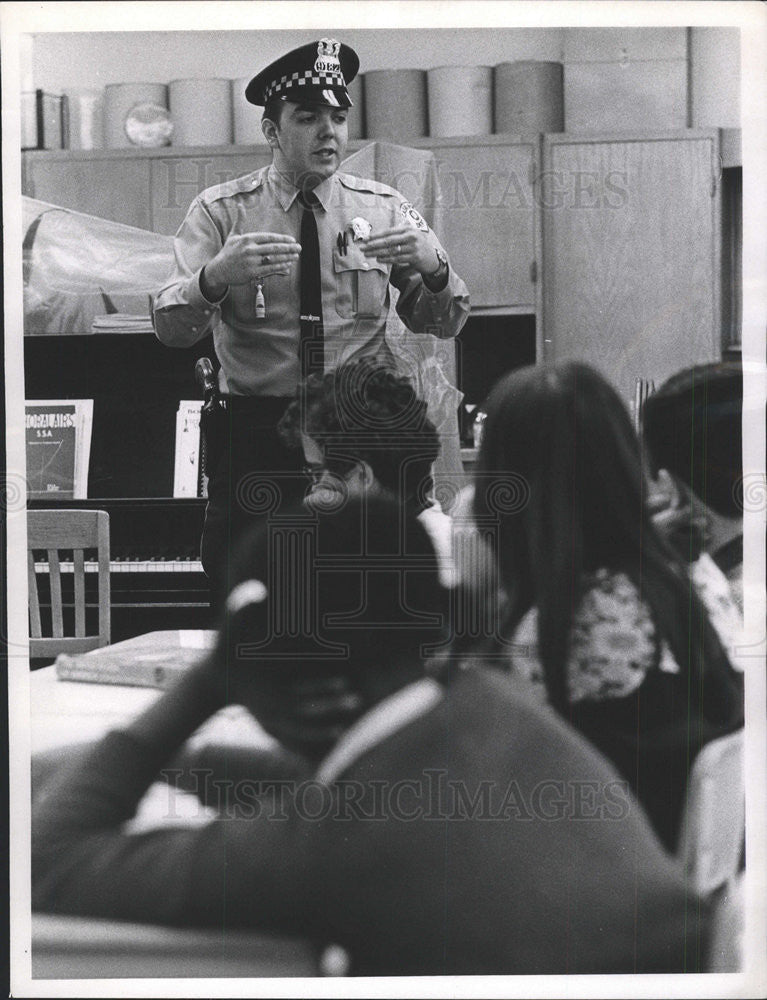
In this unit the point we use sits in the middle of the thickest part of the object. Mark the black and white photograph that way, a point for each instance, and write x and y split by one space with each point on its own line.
384 498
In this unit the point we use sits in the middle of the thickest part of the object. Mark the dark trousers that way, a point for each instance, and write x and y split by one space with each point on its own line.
252 476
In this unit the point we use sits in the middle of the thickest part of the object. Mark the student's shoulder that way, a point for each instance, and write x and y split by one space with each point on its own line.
491 699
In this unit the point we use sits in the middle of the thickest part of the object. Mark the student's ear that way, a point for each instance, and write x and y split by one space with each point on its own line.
368 476
667 485
271 132
666 492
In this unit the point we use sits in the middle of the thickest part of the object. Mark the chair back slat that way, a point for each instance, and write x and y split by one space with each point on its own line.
105 603
57 604
70 532
35 625
78 560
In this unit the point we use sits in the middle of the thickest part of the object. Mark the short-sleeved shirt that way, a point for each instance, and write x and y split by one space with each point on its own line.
259 356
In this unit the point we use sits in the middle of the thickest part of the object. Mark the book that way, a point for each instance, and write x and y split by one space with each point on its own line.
119 322
44 120
58 445
155 663
188 478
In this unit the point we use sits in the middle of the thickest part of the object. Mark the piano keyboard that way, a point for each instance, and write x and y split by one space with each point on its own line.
131 566
156 580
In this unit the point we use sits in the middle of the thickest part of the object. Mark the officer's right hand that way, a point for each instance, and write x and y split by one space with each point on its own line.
245 256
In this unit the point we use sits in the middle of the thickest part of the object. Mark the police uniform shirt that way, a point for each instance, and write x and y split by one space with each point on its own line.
260 356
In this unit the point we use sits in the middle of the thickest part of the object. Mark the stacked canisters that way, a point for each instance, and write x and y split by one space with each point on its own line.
395 105
518 97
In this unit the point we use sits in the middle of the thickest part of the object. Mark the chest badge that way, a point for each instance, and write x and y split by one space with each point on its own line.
361 228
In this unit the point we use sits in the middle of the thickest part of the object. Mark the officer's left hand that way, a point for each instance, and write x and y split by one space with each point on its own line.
404 246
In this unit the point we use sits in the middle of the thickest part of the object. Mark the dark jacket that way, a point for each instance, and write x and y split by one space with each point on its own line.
481 836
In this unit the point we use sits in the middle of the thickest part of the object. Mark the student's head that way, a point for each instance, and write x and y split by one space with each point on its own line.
351 595
560 442
305 99
692 427
363 428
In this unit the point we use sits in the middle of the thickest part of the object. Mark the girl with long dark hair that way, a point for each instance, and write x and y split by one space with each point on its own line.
598 610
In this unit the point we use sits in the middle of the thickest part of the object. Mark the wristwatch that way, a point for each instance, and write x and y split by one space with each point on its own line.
441 267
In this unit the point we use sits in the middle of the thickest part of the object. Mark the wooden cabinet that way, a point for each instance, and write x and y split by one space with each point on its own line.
488 218
150 189
631 271
111 187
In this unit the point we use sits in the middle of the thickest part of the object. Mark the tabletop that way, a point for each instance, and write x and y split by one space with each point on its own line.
65 713
74 711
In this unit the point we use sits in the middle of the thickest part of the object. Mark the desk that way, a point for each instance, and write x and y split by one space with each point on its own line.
77 948
75 712
66 712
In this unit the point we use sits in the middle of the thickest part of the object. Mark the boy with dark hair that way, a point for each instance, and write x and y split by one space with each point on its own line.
364 428
693 427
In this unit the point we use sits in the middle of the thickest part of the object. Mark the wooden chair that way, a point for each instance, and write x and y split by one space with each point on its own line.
70 531
726 945
714 822
85 948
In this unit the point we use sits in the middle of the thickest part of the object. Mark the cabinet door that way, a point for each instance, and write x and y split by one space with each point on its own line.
488 219
630 253
177 179
116 189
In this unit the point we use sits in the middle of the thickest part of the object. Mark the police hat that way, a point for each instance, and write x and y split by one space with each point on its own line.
315 73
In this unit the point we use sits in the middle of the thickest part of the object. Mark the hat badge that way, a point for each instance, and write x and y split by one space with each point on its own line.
327 61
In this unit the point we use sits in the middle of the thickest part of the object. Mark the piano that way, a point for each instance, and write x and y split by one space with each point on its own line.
156 578
136 383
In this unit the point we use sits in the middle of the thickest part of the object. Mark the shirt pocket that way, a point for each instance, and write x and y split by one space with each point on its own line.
361 286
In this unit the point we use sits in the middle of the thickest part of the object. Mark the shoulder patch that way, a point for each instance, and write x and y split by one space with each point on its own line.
412 217
240 185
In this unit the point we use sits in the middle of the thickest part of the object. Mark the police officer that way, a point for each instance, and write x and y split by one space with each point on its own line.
290 267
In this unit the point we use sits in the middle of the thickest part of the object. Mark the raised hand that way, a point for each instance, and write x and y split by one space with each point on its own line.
248 255
404 246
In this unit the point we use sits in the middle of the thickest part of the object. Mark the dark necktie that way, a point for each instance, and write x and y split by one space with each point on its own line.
311 347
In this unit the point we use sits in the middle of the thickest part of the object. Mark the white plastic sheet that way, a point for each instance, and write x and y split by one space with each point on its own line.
78 267
427 360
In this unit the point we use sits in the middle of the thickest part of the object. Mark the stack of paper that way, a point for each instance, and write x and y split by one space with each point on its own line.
58 438
122 323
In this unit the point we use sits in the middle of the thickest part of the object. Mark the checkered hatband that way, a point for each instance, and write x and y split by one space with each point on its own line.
306 79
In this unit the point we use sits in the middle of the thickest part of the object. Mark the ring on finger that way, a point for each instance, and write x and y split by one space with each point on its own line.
398 248
266 259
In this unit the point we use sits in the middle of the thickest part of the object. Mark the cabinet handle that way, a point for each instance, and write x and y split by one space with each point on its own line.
534 272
